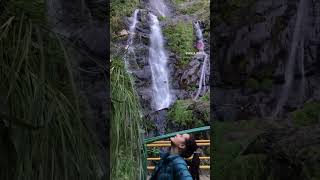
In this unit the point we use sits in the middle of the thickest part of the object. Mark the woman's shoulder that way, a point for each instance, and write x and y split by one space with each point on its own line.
178 162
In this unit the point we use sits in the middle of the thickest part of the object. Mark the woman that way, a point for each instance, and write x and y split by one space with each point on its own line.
172 165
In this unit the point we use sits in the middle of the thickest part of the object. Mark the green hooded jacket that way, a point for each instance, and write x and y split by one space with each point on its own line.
171 167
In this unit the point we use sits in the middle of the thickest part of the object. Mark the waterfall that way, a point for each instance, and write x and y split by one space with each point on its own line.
160 7
200 46
132 29
158 64
290 65
129 57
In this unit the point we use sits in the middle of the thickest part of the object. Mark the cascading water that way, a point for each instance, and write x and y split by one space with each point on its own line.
158 64
130 55
290 65
160 7
200 46
132 28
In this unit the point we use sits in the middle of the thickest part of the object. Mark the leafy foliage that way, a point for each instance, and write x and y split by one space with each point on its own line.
180 113
231 138
126 144
308 115
118 10
180 40
41 107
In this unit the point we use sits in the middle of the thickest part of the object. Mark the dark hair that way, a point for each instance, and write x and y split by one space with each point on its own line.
191 147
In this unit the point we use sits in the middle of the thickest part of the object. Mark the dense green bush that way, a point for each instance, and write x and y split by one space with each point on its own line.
180 40
49 132
252 84
248 167
118 10
262 85
190 114
180 113
308 115
230 139
126 144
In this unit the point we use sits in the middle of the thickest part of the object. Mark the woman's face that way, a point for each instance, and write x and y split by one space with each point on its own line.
179 140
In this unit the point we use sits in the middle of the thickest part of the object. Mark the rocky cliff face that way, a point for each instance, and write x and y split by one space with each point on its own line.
252 46
184 79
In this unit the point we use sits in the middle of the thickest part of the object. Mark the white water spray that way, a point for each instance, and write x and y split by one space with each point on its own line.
158 64
132 28
200 46
130 55
160 7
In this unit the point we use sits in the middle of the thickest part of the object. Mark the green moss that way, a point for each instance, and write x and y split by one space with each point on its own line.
192 87
180 40
177 2
180 114
252 84
250 167
231 138
266 84
33 10
308 115
162 18
201 9
259 85
311 169
118 12
206 97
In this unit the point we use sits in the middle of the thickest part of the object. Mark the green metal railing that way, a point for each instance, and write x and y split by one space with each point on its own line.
158 138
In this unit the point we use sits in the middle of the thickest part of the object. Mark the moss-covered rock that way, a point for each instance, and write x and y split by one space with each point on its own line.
180 40
231 138
189 114
308 115
118 12
180 112
252 83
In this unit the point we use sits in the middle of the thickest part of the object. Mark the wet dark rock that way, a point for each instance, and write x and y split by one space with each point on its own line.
259 49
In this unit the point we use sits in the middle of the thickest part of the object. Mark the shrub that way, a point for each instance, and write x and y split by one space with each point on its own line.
180 40
118 10
180 113
308 115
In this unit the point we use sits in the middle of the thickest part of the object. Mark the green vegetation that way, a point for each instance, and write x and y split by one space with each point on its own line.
162 18
180 113
308 115
180 40
41 117
190 114
249 167
126 143
200 9
231 13
118 10
206 97
231 138
266 84
177 2
252 84
256 85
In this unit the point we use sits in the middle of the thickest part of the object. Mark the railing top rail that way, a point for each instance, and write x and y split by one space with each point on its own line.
153 139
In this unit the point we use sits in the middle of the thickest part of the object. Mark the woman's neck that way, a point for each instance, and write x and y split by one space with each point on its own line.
174 150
